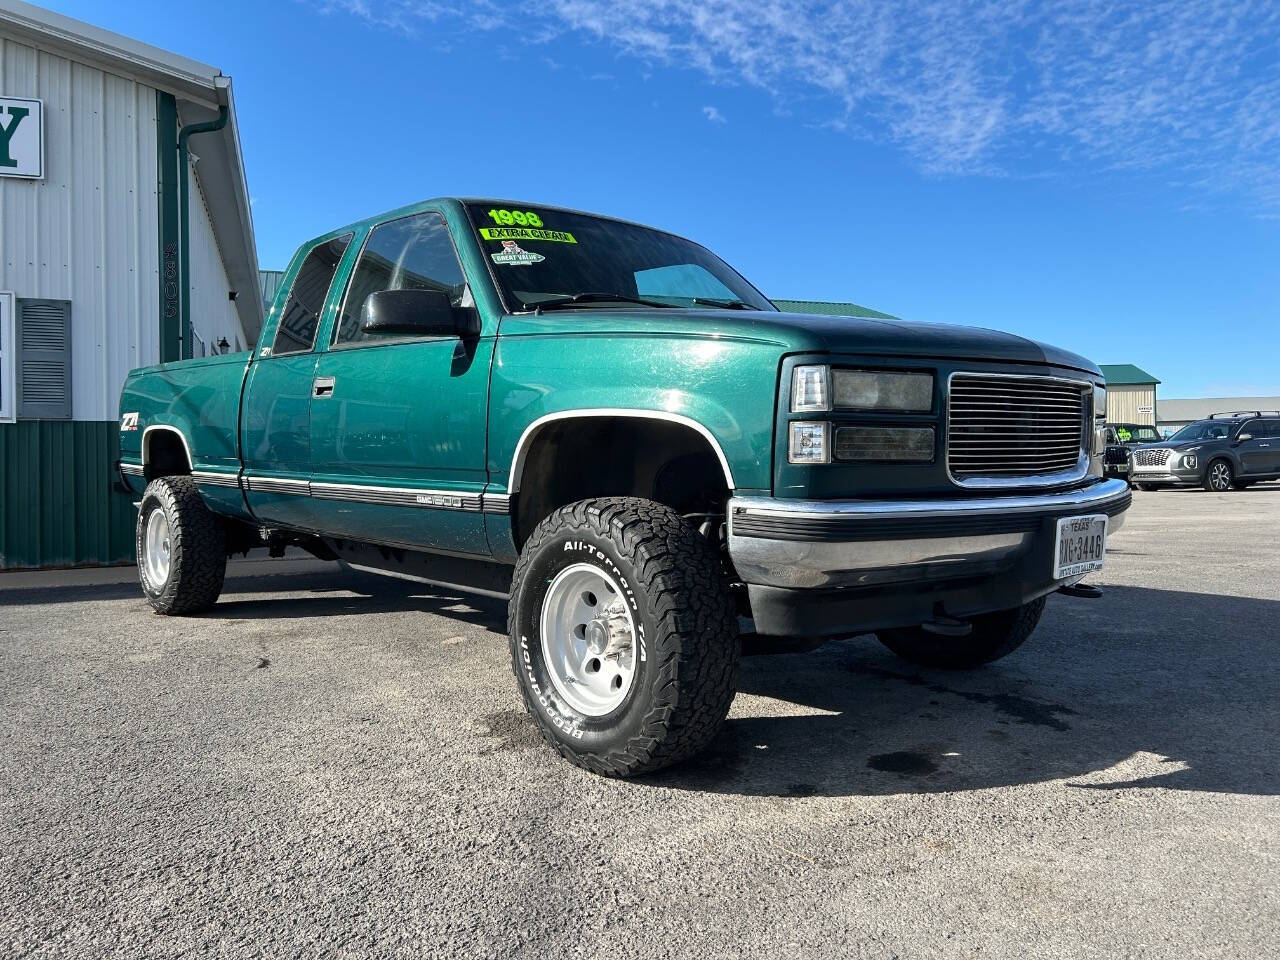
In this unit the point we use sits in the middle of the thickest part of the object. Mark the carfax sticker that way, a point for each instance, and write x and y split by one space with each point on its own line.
512 254
128 421
527 233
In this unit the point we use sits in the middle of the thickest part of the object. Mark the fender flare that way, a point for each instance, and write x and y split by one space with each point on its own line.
526 438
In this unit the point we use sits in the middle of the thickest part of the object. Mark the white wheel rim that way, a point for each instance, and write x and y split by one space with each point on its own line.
588 647
157 549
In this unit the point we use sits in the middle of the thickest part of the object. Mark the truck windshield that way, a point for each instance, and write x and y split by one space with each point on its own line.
1204 430
541 256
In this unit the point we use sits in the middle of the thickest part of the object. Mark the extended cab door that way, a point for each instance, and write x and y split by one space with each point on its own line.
275 436
398 439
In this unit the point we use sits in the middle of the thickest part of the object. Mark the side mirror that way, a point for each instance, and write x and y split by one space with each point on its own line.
1243 437
417 313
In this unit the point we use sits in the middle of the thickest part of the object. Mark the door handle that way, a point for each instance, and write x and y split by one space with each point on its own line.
323 387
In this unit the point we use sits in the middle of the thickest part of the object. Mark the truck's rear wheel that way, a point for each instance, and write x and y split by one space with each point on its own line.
181 547
994 635
623 635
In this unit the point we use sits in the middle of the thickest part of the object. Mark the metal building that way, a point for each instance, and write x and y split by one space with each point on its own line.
1131 393
101 139
1177 413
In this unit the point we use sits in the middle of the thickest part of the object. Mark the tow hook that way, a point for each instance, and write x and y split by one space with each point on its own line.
947 626
1085 590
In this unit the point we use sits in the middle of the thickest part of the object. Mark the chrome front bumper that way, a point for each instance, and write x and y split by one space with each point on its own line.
845 543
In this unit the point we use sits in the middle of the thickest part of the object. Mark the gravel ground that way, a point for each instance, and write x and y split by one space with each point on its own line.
338 765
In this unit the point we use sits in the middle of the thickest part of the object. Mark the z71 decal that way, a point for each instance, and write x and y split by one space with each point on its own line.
128 421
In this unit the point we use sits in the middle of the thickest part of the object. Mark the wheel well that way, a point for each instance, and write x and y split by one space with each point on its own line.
573 459
164 454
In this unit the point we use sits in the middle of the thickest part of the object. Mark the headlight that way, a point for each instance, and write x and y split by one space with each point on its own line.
882 390
808 443
1189 461
884 443
810 391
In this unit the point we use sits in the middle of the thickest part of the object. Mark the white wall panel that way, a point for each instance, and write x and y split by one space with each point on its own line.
213 315
88 232
1124 403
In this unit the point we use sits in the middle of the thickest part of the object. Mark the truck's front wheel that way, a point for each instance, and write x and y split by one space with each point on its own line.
181 547
994 635
623 635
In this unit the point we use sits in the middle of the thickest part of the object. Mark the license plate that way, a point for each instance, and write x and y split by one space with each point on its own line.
1080 546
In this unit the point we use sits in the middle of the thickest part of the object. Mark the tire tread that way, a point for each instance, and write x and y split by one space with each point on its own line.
685 587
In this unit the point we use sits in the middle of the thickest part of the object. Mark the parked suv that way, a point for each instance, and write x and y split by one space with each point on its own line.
1229 451
1121 438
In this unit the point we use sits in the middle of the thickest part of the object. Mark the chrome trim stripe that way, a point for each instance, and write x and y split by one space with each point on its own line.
216 479
133 469
397 496
1092 497
495 502
299 488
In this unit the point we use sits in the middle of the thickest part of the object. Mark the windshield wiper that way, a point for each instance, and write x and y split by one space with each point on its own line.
593 297
725 304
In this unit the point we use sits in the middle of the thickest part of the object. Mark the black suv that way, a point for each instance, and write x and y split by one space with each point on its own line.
1121 438
1229 451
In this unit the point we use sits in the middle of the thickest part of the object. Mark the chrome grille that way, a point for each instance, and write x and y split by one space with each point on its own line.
1151 458
1010 428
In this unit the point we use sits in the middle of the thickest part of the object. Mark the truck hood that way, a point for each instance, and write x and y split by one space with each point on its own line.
808 333
907 338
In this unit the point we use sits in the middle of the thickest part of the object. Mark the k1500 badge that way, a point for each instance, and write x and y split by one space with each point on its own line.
128 421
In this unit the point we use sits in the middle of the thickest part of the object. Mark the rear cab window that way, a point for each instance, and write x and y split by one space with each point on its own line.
300 316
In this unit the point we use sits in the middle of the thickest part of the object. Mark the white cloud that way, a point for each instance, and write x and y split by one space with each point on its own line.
714 115
1188 89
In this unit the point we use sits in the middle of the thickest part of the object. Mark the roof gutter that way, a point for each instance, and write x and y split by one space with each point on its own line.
184 236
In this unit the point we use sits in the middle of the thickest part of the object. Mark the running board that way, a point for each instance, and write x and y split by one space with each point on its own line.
461 574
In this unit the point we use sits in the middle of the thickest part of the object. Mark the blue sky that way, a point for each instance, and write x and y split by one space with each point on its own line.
1102 175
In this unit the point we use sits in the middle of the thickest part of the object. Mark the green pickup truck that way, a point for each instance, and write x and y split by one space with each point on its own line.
606 424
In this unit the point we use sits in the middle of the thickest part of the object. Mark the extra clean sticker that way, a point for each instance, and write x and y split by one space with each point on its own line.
526 233
513 255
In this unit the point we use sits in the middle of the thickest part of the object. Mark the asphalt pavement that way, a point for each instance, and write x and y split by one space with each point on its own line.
338 765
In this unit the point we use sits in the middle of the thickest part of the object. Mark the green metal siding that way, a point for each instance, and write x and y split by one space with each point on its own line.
167 191
57 508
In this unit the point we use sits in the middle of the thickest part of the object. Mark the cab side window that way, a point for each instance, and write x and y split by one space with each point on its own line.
412 253
296 331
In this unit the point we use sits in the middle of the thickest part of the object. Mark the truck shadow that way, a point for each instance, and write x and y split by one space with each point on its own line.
1142 688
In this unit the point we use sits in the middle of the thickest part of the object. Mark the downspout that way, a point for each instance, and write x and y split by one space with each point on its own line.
184 235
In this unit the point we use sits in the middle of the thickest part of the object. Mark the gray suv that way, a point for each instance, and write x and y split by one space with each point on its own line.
1229 451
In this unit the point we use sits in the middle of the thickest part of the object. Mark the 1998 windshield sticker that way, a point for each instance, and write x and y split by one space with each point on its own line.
527 233
512 254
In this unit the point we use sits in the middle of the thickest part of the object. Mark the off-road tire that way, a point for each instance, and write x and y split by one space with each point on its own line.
1212 475
198 557
686 664
994 635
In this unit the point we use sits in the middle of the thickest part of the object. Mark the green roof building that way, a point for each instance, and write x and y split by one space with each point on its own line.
1131 393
